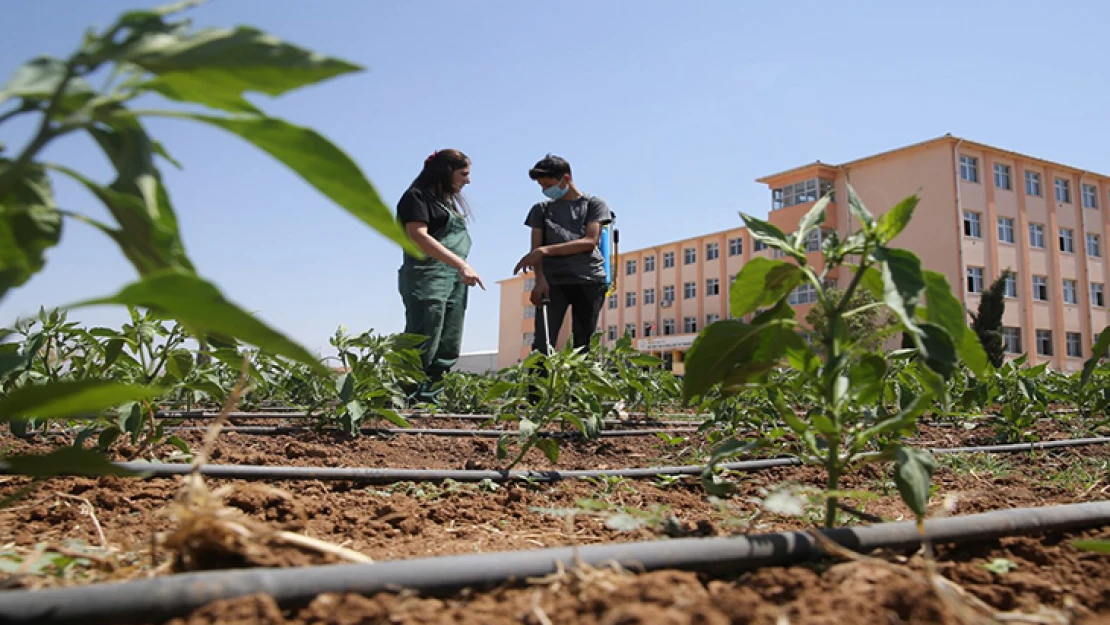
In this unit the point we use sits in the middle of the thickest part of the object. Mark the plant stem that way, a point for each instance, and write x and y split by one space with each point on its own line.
24 108
832 464
42 136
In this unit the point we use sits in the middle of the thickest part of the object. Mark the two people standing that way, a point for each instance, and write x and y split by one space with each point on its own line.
564 253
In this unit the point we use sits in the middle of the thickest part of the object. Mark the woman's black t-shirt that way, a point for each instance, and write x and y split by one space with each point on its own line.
421 205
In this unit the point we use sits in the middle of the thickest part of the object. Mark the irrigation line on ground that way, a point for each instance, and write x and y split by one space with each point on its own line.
391 476
164 598
247 429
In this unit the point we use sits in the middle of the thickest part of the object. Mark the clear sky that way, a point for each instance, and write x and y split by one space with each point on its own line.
669 110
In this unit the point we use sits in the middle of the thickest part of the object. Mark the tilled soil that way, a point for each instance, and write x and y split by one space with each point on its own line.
418 520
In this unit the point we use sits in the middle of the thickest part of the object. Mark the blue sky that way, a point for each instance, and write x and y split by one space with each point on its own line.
669 110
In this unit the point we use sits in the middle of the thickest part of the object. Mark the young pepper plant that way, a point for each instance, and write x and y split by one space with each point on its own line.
841 381
147 53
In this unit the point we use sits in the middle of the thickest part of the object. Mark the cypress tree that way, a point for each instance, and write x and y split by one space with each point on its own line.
987 323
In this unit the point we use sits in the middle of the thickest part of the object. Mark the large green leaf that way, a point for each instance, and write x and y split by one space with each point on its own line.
319 162
856 207
815 216
38 80
65 461
201 308
770 234
762 282
29 225
866 378
913 475
215 67
944 310
736 354
940 348
55 400
903 283
892 222
1098 352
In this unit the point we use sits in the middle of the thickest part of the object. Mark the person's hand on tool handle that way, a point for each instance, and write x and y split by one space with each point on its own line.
541 292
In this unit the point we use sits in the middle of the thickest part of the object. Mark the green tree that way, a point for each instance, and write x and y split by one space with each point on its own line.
866 325
987 323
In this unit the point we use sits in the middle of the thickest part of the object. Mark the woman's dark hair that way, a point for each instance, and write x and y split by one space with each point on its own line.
436 177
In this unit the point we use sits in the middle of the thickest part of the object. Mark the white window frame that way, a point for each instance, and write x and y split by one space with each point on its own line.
1006 230
969 168
1062 188
975 280
1002 178
1094 245
1040 287
712 286
1036 236
1070 290
973 224
1067 240
1033 184
712 251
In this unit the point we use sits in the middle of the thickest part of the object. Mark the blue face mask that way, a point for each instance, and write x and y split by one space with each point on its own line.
554 192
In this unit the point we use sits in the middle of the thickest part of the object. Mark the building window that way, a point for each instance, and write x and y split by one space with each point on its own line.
712 251
803 294
1040 288
1067 240
759 246
529 284
1071 292
689 325
1094 245
1011 338
613 302
1044 342
649 297
1097 298
612 333
712 318
689 256
1073 342
529 312
1033 184
1011 285
1036 236
690 290
649 328
712 286
1063 190
1006 229
1090 196
1002 176
630 330
815 238
974 279
969 168
668 260
735 246
668 327
630 299
629 267
972 226
649 263
668 293
800 192
529 338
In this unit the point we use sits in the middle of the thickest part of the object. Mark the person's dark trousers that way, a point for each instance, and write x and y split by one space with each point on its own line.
584 302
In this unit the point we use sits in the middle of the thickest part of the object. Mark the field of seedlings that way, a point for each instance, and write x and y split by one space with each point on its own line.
196 466
324 499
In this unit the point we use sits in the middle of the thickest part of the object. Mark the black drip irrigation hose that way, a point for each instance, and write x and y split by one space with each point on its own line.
165 598
263 430
391 476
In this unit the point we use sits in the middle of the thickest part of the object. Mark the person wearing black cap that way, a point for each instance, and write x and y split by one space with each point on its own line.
568 264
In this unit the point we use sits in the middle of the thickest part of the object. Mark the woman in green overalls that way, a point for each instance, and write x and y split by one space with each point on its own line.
434 290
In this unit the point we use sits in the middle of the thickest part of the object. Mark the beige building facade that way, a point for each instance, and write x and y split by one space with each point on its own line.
982 210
